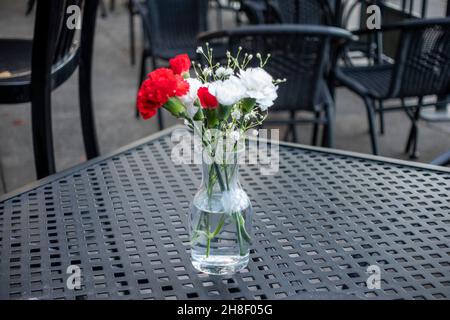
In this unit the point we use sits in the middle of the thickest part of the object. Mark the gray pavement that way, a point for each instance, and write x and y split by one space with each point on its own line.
115 83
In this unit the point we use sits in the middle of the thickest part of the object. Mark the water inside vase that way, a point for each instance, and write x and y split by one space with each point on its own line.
220 228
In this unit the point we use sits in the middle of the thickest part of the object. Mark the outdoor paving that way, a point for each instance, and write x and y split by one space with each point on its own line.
115 83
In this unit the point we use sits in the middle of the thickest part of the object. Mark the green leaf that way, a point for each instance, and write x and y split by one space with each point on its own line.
248 104
211 115
199 116
224 112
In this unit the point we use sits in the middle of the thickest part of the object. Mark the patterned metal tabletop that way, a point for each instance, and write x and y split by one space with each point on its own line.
319 223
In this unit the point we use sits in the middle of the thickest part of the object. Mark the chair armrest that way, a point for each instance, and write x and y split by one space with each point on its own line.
409 24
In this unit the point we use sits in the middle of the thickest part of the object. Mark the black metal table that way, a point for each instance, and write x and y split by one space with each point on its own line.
319 223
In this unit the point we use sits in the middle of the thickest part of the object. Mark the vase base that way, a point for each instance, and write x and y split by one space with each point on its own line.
219 265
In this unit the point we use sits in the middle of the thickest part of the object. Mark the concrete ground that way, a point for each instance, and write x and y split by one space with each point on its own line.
115 82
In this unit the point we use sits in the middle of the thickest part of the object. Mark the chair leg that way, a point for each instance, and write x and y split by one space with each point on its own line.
41 121
132 38
413 138
85 94
160 119
381 115
2 180
103 11
293 127
30 6
87 112
287 133
415 153
219 16
371 119
315 133
160 112
328 135
410 139
112 5
142 73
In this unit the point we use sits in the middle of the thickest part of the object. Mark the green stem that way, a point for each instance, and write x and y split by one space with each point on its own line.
208 246
219 176
226 176
239 235
219 226
244 233
196 234
208 238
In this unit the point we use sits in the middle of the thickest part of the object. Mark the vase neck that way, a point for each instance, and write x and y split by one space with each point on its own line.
223 175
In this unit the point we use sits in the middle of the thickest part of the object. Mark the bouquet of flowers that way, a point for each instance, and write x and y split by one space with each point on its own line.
222 101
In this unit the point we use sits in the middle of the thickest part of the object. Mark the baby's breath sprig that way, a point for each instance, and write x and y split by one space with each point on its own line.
247 59
262 63
199 72
278 81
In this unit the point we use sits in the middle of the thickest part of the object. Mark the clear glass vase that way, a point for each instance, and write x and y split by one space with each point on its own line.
220 218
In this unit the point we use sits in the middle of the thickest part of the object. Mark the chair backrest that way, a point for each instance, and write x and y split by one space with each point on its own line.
56 53
298 53
422 59
301 11
175 23
57 26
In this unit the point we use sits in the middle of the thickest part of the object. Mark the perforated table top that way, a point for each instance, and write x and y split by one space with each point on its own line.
319 223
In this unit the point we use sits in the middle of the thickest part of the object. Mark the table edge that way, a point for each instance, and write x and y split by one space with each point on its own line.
35 184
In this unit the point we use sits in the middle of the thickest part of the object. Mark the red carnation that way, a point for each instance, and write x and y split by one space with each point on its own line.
207 100
182 86
180 64
150 99
161 85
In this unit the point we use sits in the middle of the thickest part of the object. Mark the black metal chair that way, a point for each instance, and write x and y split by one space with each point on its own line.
221 6
421 68
254 10
300 12
132 12
31 69
170 27
299 53
319 12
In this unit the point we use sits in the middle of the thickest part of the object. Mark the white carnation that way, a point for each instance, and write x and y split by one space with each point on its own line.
189 98
259 86
228 92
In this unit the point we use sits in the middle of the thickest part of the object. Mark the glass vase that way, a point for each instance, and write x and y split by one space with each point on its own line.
220 218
